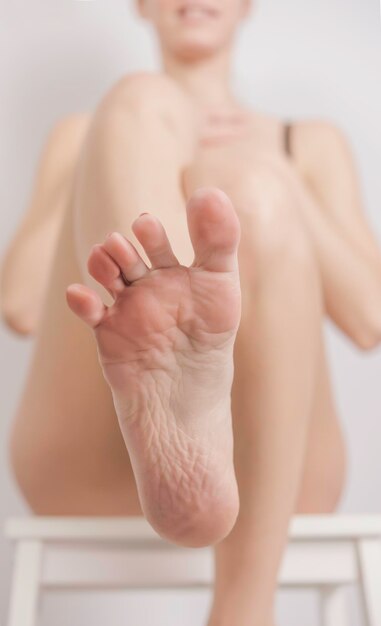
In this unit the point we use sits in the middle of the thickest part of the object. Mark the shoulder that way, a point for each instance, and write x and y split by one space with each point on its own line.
320 148
319 131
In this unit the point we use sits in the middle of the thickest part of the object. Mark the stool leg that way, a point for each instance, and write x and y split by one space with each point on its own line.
369 555
25 584
333 607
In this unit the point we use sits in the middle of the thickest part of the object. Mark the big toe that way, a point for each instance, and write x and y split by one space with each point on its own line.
214 230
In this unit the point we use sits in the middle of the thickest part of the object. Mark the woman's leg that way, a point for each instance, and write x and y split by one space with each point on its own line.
276 357
166 343
324 471
140 140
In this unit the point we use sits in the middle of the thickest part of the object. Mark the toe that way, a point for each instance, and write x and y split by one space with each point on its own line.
214 230
104 269
85 303
125 255
151 234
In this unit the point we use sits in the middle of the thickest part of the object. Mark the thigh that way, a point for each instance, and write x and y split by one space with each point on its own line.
67 451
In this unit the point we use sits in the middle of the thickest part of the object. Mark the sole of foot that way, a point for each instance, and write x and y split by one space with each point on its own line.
166 349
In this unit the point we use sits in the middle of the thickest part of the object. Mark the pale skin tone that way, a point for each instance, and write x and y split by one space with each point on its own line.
287 245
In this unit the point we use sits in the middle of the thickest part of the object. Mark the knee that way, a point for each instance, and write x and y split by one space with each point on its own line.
273 233
150 106
149 95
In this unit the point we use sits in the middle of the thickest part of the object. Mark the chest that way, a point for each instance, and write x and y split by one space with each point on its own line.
225 160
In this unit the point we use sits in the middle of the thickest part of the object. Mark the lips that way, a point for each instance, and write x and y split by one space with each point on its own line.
196 11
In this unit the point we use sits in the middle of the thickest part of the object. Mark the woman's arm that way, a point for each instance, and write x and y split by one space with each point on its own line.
348 253
27 262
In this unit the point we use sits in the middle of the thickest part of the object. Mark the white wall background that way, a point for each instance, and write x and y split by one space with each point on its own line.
296 58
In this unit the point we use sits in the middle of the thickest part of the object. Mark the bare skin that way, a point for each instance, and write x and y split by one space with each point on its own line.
166 350
299 229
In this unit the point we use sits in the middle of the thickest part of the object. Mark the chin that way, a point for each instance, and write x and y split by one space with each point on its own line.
196 50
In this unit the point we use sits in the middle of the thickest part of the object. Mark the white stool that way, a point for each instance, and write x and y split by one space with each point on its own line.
324 552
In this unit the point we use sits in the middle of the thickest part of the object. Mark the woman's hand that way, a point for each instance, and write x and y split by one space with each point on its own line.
223 125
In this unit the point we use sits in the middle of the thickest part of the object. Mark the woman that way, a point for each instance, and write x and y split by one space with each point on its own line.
272 238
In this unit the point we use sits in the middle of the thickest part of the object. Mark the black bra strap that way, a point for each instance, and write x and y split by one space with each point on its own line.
287 138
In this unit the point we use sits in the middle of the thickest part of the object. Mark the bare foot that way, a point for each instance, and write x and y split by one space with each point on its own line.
166 349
